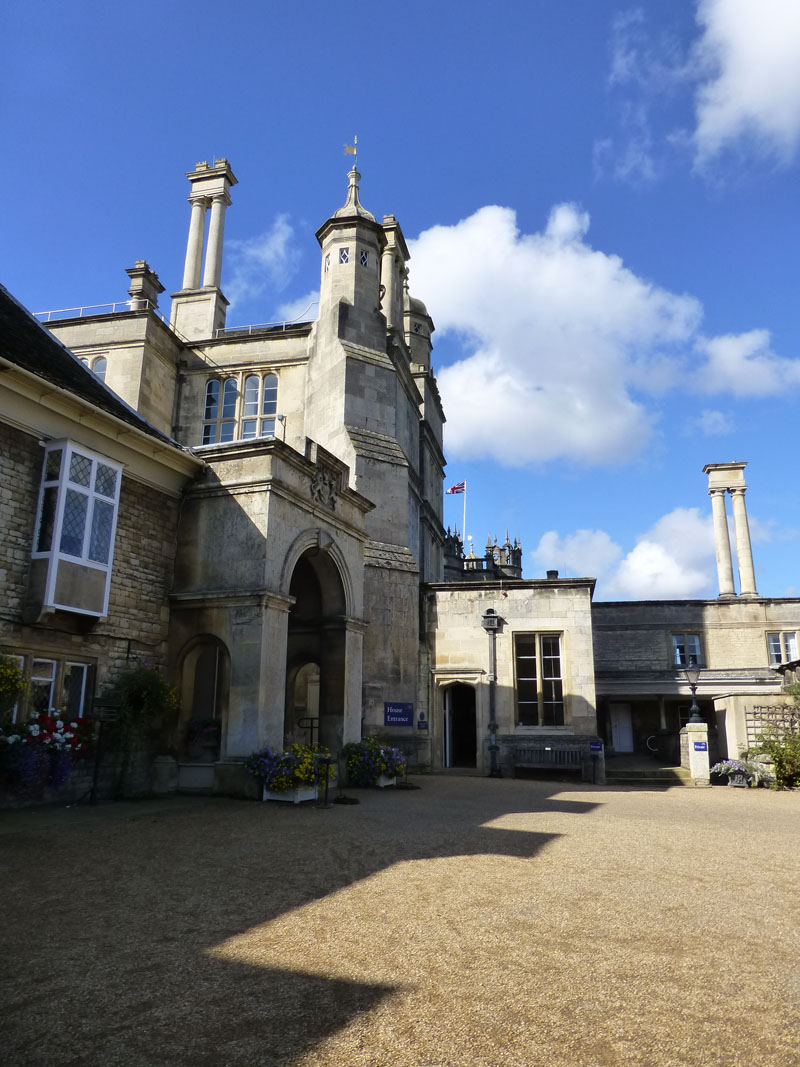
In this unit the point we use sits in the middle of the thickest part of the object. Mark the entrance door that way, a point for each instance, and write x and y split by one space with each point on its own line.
460 735
621 727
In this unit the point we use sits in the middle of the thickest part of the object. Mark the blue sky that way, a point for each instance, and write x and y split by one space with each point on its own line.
602 205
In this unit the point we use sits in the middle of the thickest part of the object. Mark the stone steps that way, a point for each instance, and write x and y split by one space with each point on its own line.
663 776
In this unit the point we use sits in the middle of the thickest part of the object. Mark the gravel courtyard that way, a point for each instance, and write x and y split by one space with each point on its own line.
469 923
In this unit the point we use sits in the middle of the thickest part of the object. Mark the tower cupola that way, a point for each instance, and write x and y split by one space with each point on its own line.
352 242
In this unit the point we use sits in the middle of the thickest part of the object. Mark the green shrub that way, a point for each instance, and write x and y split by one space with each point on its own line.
12 682
783 748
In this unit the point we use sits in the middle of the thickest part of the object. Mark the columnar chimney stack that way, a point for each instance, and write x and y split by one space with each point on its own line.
726 478
198 310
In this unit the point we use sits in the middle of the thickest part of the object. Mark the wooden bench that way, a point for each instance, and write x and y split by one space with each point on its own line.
549 756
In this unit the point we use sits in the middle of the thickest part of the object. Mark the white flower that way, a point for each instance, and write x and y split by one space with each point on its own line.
74 725
12 738
68 733
33 730
59 724
34 715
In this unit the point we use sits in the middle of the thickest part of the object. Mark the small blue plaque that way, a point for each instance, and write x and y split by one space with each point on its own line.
398 714
701 746
595 746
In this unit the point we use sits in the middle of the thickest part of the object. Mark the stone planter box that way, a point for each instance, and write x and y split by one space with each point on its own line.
195 777
292 796
738 781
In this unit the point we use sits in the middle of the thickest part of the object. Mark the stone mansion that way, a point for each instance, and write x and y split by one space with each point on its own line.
258 512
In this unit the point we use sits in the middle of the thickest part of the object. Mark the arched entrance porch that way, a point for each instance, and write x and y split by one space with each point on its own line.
316 648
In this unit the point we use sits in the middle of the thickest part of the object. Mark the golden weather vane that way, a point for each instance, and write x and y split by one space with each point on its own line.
352 150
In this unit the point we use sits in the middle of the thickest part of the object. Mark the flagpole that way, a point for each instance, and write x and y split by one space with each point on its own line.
464 528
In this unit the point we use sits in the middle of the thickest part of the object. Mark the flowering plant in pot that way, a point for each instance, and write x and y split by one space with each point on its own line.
367 760
203 736
43 748
737 771
283 770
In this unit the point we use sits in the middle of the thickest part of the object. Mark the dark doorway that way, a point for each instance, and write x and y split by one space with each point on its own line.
460 733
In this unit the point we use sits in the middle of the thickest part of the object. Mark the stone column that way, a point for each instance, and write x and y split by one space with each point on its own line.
388 280
744 552
194 249
216 230
722 544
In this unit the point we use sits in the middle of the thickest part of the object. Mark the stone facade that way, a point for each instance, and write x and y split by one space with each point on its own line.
460 664
302 546
280 552
641 652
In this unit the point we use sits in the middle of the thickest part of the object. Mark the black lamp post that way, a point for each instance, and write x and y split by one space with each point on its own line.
692 676
490 622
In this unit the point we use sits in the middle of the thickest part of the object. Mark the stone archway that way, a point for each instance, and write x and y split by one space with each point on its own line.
316 647
205 684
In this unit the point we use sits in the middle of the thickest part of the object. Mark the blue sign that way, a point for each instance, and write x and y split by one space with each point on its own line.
701 746
398 714
595 746
423 722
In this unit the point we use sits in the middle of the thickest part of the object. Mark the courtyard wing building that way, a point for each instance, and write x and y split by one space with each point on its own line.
257 511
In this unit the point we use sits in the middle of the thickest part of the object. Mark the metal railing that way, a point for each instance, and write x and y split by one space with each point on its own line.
111 308
138 304
245 331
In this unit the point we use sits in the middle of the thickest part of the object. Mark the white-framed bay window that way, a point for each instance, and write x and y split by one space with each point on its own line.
73 548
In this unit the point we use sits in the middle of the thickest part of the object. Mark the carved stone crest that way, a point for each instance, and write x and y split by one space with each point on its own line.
324 487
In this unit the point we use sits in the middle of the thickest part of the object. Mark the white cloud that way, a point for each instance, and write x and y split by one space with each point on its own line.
583 554
711 424
269 260
673 560
567 352
745 365
303 309
749 53
558 336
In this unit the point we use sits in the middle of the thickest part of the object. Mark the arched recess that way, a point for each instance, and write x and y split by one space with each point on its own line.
459 725
317 545
316 647
301 721
205 684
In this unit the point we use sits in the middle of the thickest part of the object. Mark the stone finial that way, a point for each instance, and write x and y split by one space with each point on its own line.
353 206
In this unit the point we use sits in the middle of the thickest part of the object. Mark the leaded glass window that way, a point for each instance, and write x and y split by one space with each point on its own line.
76 523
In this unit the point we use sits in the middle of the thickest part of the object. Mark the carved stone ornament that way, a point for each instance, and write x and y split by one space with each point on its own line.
324 487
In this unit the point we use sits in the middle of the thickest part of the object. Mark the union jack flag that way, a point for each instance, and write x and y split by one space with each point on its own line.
459 487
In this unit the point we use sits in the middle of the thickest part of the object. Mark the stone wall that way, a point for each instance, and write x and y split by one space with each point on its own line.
638 635
135 630
459 650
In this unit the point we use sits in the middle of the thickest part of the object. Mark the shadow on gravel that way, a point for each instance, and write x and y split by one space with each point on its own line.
115 913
